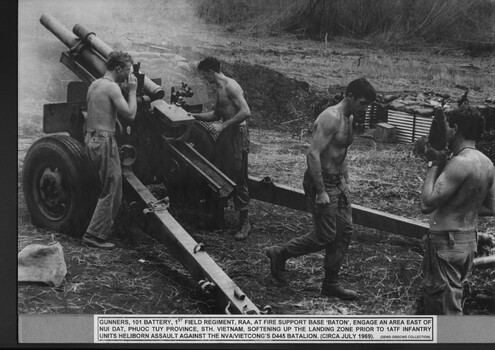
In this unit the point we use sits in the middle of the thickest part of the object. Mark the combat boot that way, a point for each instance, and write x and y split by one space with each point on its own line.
336 290
93 241
278 256
245 229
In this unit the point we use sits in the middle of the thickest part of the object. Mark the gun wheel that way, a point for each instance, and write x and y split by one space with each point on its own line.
59 185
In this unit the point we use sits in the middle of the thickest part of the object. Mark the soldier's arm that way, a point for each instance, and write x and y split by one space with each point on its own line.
441 185
206 116
345 167
235 94
124 108
488 205
345 171
322 136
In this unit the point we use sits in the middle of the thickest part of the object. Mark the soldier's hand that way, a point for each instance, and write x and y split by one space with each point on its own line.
434 155
132 83
322 198
218 127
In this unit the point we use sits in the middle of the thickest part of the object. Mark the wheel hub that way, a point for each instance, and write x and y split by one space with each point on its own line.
52 192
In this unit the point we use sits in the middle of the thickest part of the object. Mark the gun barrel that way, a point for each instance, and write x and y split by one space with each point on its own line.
92 62
90 38
58 29
153 90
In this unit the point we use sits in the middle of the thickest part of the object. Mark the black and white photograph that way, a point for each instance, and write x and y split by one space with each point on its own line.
271 172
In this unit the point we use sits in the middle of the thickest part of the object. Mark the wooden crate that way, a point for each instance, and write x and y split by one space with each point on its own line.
385 132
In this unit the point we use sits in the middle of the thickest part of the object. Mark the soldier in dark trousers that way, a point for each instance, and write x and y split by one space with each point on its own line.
455 192
105 100
231 154
326 188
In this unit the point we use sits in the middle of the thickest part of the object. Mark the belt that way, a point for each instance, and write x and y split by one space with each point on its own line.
331 177
100 133
454 236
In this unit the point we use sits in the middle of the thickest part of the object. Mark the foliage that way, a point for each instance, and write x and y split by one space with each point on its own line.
384 20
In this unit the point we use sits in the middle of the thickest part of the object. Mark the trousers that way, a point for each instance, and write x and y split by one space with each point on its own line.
447 261
332 225
231 157
102 150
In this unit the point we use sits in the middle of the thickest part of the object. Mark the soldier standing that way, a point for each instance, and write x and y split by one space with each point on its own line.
455 192
231 155
105 100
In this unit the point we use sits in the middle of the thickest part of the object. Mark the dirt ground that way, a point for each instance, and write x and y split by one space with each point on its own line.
285 78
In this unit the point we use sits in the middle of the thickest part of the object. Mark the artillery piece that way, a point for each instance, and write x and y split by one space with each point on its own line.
164 144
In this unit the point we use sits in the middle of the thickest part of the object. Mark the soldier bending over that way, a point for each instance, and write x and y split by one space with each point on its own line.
231 154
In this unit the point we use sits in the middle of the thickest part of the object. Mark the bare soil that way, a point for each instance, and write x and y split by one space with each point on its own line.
285 78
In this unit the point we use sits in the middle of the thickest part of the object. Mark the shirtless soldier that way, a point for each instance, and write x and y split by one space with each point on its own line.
455 193
231 154
326 188
105 100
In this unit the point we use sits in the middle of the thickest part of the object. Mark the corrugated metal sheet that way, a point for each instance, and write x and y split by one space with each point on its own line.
368 116
409 127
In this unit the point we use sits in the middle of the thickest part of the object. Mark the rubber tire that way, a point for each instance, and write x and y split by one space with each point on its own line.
66 158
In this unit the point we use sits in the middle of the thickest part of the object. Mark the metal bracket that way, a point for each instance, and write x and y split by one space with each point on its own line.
78 46
160 205
164 202
245 311
267 309
250 312
207 286
227 311
198 247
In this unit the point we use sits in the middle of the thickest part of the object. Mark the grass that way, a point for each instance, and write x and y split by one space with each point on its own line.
141 277
390 22
435 74
132 279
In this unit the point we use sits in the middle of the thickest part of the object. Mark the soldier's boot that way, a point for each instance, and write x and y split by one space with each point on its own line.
245 226
94 241
278 255
334 289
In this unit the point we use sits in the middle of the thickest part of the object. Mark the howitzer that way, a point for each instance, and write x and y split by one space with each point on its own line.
163 145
